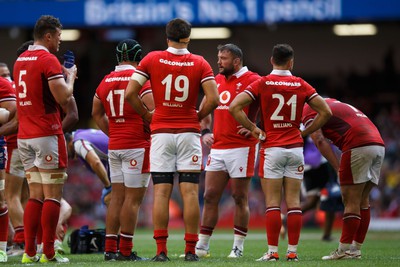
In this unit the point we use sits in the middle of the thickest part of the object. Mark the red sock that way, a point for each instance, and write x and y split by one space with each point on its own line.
351 222
364 224
294 222
206 230
273 225
191 240
50 215
3 224
161 239
238 230
32 215
111 243
125 243
39 234
19 235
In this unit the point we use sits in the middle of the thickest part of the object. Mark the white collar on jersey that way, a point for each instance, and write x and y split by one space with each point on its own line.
124 67
37 47
175 51
281 72
242 71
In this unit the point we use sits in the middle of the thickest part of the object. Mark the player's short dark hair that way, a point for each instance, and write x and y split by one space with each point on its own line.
234 49
45 24
128 50
178 29
24 47
282 53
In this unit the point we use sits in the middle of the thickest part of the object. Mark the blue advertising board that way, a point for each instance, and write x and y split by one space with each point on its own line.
98 13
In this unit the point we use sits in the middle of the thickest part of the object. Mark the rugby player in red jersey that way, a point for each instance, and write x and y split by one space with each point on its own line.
282 97
176 76
363 152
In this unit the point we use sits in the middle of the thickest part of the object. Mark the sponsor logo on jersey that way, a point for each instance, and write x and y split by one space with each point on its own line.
195 158
224 97
282 83
117 79
27 58
176 63
48 158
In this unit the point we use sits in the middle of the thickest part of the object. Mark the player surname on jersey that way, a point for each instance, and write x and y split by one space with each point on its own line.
25 103
282 125
174 105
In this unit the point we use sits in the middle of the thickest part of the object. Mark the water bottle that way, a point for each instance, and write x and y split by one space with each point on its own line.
69 59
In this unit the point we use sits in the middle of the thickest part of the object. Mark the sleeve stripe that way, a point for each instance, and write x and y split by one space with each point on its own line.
312 96
142 73
96 96
146 92
139 78
207 79
58 76
250 94
308 122
8 99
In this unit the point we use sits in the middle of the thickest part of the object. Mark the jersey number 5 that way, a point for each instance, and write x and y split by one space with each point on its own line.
22 83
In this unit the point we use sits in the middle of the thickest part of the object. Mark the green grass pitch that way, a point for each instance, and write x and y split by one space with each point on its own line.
380 249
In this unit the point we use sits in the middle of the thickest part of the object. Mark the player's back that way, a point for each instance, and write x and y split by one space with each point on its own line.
282 98
38 112
176 77
126 128
348 127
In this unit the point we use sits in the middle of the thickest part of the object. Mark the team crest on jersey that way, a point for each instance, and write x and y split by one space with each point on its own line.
48 158
238 85
133 162
224 97
195 158
241 169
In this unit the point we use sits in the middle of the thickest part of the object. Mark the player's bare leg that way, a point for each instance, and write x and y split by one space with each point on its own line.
215 184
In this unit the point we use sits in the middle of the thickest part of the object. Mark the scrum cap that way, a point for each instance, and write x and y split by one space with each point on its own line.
128 50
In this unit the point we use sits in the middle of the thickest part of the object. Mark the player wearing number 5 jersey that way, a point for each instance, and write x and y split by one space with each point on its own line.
41 89
282 97
128 150
176 76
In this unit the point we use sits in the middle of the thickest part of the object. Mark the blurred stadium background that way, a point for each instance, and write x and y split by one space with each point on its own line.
347 49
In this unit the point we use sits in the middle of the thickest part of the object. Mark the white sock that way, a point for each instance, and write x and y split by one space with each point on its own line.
204 241
343 246
292 248
355 245
3 246
238 241
272 249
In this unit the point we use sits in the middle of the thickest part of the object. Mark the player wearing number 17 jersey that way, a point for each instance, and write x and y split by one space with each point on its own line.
282 97
128 150
176 76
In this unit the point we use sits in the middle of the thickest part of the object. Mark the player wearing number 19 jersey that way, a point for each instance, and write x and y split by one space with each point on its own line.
128 150
176 76
282 97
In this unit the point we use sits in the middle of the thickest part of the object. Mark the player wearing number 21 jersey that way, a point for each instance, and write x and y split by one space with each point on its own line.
282 97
